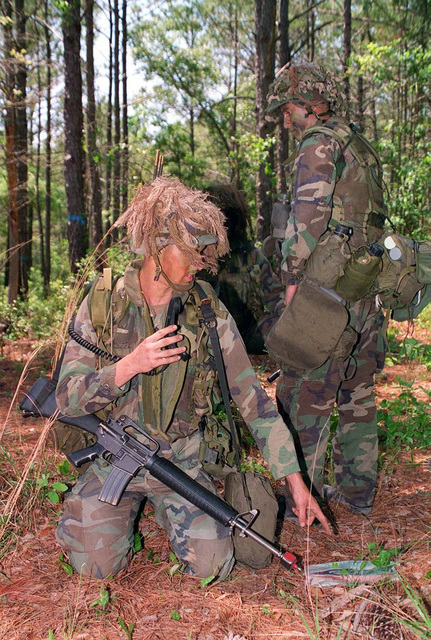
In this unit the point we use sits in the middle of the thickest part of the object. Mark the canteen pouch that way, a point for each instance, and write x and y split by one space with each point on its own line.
309 329
327 262
423 262
262 498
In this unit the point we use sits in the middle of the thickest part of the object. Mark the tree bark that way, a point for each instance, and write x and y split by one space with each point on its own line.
125 145
347 50
13 264
92 151
265 13
283 58
21 151
47 266
117 121
73 121
108 174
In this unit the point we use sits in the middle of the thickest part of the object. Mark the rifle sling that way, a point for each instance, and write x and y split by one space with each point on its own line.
210 321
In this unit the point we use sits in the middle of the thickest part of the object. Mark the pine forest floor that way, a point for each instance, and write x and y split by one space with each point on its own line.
40 600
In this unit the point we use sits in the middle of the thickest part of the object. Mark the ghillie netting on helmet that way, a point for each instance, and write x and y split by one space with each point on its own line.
167 212
306 84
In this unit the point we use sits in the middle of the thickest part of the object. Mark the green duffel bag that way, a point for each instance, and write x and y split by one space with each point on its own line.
311 329
262 497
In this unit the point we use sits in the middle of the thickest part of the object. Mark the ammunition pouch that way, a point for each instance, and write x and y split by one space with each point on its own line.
311 329
215 451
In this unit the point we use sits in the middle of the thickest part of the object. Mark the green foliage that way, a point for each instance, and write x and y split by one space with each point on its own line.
127 628
175 615
67 568
381 557
403 422
407 350
102 602
52 489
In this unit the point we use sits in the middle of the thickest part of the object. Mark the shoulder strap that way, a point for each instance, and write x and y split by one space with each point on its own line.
209 320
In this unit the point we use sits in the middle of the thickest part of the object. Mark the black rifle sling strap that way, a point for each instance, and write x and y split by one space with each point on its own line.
210 322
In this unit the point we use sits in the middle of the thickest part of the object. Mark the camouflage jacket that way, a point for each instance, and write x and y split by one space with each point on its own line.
328 184
84 387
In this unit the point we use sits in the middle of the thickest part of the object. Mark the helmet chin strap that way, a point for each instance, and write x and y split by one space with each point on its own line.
180 288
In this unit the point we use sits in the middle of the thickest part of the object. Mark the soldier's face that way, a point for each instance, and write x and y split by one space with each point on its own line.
295 119
176 265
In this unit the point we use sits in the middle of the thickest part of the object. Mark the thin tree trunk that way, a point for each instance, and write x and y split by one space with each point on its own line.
21 151
37 175
125 146
117 121
234 175
265 14
47 266
347 49
12 177
73 120
108 174
92 152
283 58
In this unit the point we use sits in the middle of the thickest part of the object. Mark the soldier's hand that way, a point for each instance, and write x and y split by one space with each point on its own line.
306 507
149 354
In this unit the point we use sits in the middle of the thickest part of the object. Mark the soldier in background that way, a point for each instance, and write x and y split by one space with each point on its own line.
245 282
330 184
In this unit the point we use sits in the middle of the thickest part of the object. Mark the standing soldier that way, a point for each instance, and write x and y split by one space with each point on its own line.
165 381
335 179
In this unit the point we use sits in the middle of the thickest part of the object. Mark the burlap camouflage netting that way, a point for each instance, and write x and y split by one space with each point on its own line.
167 212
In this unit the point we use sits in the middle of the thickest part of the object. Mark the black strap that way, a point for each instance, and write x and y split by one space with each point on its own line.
210 322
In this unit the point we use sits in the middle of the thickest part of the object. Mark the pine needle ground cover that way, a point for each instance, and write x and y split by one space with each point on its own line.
42 599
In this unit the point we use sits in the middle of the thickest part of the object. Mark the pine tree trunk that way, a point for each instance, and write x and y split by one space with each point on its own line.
347 49
265 13
9 115
283 58
47 266
73 120
21 152
108 174
117 121
92 152
125 146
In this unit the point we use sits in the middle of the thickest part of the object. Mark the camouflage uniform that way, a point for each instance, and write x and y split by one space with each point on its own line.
327 187
99 537
251 291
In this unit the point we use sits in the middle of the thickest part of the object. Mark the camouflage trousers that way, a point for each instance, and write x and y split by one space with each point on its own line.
306 399
99 537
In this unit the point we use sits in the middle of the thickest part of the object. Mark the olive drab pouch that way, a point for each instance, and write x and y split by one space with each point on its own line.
262 498
397 283
423 262
327 262
310 328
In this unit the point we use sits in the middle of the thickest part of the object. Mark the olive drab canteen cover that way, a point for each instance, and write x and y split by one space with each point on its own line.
310 328
406 269
262 498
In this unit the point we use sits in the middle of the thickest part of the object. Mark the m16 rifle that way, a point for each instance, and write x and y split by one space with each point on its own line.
128 448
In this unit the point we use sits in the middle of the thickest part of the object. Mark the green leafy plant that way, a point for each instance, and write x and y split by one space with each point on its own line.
65 565
404 421
381 557
127 628
102 602
175 615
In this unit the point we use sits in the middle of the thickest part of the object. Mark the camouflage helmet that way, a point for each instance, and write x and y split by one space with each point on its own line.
167 212
305 84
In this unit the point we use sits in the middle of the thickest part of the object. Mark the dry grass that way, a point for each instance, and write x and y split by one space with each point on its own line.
37 596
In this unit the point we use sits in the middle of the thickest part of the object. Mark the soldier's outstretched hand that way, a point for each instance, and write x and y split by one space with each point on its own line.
306 506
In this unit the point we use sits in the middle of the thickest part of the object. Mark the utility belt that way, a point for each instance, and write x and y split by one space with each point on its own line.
315 325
